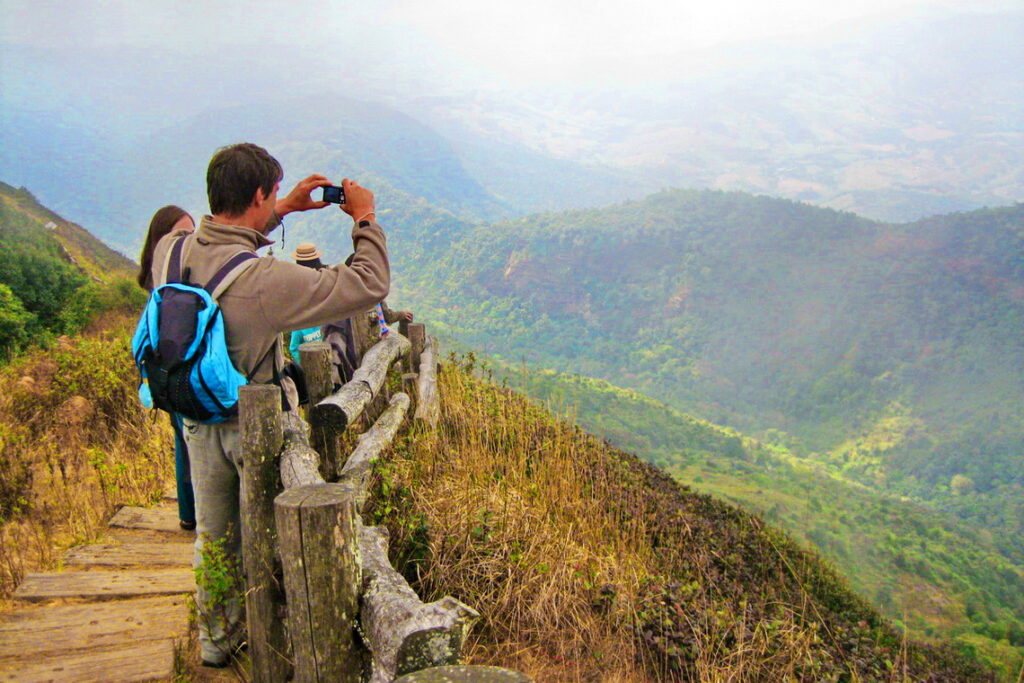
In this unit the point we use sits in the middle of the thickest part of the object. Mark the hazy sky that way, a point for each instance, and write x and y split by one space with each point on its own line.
524 40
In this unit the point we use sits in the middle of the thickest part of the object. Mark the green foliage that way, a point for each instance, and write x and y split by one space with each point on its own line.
15 323
219 576
45 289
31 265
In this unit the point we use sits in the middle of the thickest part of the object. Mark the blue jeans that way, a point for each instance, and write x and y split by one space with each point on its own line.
183 474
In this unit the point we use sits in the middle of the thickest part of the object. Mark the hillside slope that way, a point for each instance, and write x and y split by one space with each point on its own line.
892 353
589 565
54 275
918 567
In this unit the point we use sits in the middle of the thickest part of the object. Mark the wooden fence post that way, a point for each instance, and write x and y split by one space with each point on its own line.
417 337
316 364
261 439
316 528
361 334
428 405
403 327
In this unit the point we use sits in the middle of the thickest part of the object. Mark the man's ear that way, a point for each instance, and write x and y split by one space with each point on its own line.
258 198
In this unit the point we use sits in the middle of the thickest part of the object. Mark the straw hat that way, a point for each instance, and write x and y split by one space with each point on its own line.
306 252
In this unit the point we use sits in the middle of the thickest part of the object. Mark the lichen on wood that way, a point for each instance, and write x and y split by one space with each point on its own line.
428 406
403 633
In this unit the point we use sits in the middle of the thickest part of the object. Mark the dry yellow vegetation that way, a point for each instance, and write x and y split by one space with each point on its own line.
76 444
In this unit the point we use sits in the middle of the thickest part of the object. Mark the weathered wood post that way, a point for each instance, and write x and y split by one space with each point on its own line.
417 337
361 334
409 385
261 439
405 634
403 328
428 405
341 408
316 364
316 528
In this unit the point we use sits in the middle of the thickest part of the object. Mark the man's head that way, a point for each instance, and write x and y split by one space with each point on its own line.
240 176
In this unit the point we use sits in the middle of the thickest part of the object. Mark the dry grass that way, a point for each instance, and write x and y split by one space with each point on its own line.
587 565
76 443
518 527
526 518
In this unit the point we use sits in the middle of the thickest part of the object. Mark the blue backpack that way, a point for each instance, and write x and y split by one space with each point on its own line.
180 348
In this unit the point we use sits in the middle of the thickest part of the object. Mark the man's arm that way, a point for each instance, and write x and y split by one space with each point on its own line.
300 198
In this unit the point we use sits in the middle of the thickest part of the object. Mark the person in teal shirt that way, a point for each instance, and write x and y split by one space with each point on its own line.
310 334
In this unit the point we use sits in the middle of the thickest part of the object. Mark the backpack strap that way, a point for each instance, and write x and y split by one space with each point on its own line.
172 264
227 274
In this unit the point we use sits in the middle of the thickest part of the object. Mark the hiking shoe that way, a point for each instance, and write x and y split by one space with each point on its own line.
226 662
219 664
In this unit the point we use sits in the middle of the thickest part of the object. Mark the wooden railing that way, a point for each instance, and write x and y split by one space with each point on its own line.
323 602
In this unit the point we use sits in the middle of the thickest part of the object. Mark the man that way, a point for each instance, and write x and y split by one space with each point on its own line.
269 297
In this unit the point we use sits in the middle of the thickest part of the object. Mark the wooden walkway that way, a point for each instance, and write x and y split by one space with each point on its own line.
116 613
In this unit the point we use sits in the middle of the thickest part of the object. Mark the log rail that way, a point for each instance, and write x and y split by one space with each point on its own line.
348 615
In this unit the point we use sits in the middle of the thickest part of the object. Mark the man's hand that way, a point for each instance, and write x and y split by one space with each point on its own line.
300 198
358 201
405 315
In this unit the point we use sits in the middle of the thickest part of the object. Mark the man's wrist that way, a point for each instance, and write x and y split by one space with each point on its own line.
282 209
367 216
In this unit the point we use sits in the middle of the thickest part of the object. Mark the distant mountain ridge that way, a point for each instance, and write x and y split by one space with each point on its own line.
897 120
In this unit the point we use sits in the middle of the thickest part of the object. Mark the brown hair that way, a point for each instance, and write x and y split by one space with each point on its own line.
235 173
163 220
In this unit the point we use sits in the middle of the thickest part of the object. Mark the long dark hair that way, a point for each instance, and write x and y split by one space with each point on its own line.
163 221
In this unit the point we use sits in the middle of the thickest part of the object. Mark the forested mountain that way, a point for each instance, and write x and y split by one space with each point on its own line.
115 182
54 275
893 354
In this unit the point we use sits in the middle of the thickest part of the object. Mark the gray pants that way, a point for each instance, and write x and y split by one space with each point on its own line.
216 460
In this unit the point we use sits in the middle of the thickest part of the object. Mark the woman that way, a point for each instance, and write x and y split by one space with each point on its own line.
166 220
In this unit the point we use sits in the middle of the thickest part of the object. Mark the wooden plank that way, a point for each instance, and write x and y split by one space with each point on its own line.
164 518
147 661
36 632
173 554
104 585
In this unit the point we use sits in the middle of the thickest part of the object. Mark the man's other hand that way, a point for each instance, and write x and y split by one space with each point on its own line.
405 315
300 199
358 201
